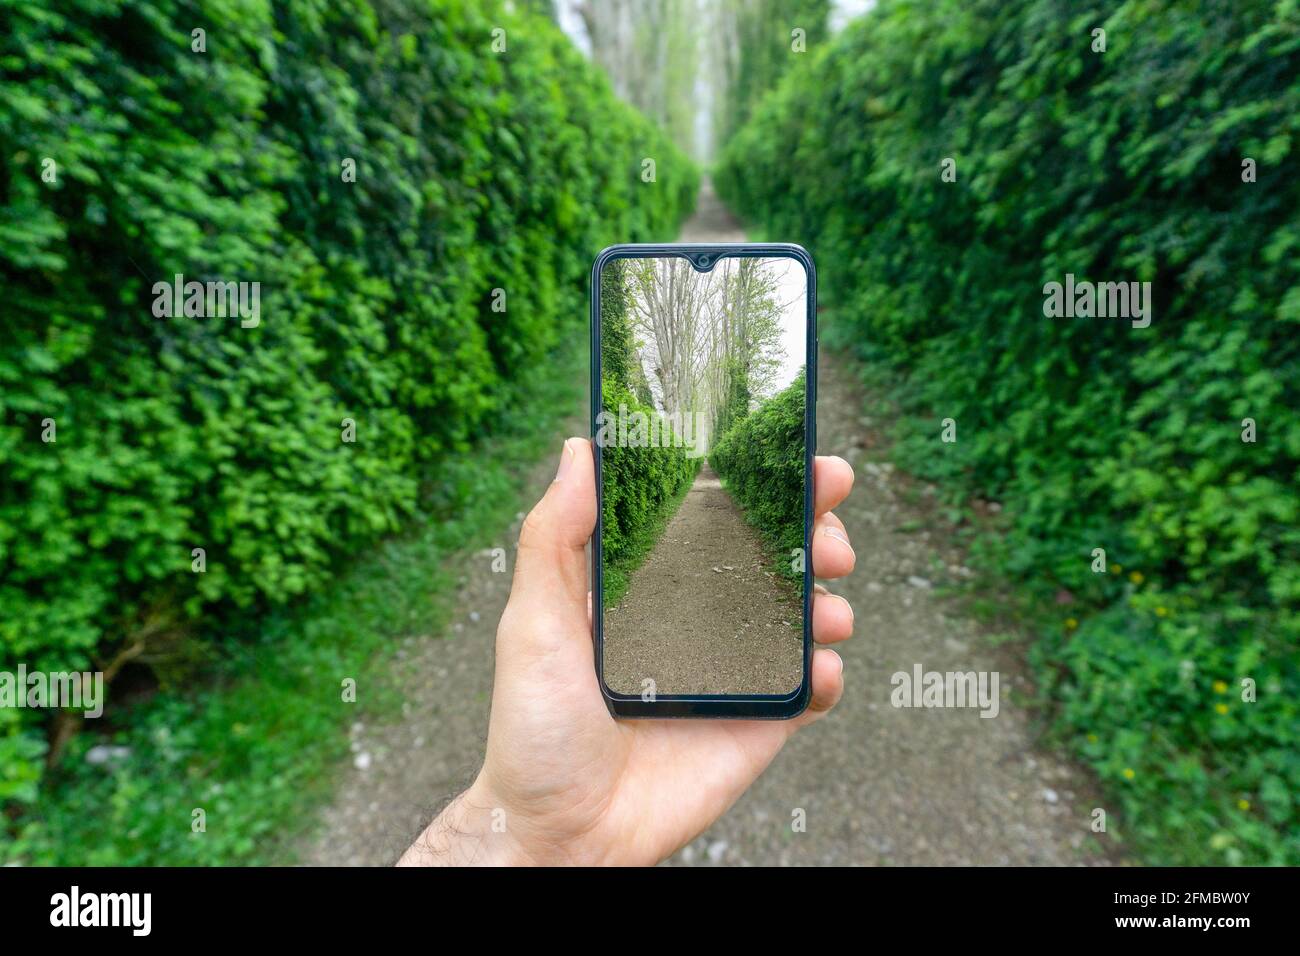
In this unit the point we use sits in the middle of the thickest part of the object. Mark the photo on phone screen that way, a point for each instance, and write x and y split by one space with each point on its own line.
703 445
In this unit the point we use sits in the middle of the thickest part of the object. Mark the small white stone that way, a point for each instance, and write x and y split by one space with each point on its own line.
102 754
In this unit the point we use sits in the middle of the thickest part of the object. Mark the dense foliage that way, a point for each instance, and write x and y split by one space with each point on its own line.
761 460
1167 158
490 163
642 485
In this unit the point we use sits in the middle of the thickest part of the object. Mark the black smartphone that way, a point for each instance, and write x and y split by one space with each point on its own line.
703 398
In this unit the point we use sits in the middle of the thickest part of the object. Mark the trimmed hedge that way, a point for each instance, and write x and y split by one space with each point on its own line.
476 169
761 458
1125 165
640 483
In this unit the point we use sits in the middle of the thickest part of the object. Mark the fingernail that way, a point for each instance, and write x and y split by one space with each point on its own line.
852 617
841 660
833 532
566 460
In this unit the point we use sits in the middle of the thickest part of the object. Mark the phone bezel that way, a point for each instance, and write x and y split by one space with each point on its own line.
750 707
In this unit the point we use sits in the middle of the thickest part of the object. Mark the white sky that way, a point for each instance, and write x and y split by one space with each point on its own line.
792 293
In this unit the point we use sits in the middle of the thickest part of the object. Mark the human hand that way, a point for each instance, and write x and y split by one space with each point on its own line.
562 780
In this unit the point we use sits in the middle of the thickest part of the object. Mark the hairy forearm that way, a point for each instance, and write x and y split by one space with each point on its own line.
470 831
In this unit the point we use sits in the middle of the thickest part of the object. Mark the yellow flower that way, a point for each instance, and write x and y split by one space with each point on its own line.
1243 804
1092 738
1071 624
1162 612
1128 773
1116 568
1221 708
1220 687
1136 577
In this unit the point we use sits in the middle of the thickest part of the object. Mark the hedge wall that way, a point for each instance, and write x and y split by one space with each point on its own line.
1167 158
137 148
761 459
641 485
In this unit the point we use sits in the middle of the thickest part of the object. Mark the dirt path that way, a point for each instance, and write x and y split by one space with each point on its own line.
878 785
704 614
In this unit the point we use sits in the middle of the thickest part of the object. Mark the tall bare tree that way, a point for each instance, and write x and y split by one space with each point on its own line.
746 314
650 49
712 341
669 305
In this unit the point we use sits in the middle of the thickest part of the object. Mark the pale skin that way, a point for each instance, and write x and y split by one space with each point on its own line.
562 781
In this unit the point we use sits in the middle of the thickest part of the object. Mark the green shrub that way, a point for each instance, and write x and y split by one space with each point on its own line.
641 485
761 459
1127 165
258 743
475 171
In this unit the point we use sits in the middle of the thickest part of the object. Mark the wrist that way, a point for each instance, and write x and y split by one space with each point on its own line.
472 830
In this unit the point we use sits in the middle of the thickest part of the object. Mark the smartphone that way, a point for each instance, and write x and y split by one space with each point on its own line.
703 399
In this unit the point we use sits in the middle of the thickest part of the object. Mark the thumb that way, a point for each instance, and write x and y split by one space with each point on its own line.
552 562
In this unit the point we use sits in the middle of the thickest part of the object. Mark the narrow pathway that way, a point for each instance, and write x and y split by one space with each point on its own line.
877 784
705 614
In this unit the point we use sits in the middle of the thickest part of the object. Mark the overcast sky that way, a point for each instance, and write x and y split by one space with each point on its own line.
792 292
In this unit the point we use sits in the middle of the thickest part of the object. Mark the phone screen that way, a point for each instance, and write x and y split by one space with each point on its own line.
703 443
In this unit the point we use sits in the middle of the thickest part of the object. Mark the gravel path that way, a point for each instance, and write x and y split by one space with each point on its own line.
704 614
875 784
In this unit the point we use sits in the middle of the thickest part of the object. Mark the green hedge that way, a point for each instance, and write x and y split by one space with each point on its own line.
1123 165
475 170
761 459
641 485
